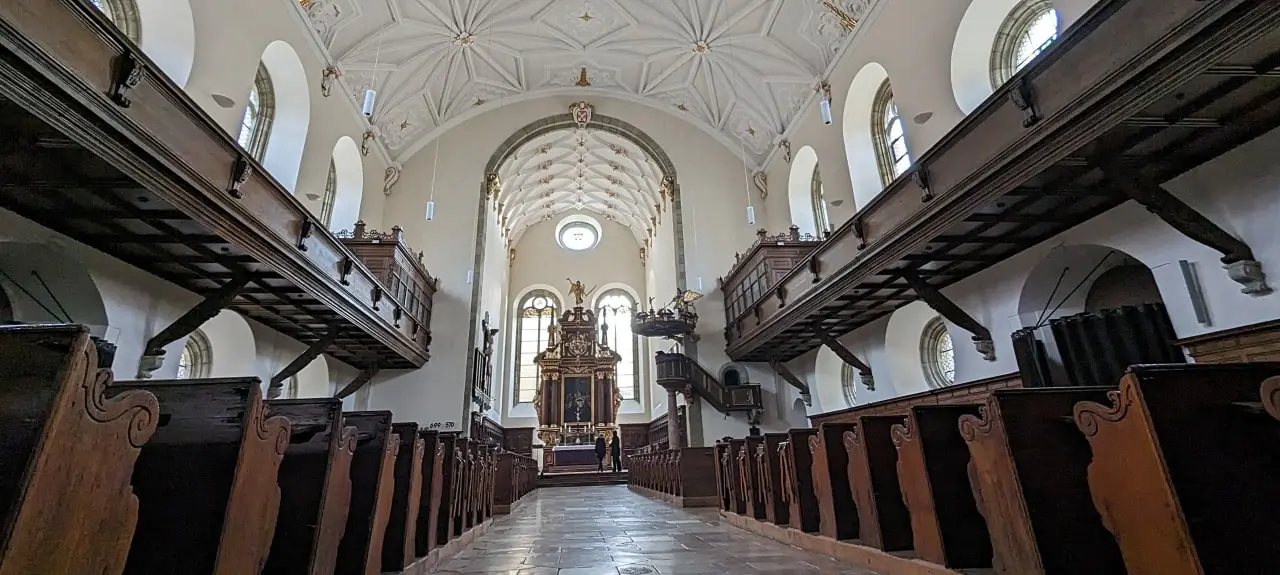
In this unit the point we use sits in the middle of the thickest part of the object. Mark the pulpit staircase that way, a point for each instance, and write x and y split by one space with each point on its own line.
681 372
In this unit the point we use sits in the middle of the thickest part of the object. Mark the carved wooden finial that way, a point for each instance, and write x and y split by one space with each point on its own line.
358 232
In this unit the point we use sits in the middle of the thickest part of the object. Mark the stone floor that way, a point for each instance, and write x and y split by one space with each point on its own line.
609 530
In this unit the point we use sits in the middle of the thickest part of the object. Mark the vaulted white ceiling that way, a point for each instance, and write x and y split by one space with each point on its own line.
580 170
740 69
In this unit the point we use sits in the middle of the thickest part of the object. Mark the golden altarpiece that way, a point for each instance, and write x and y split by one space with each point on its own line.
577 398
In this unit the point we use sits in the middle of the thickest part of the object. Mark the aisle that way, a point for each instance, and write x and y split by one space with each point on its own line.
609 530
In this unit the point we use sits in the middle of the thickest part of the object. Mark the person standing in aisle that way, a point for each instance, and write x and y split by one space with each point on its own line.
600 451
615 449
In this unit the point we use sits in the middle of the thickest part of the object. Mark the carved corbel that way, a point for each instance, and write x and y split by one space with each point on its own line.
785 145
326 80
860 232
951 312
153 353
126 74
366 140
377 297
920 176
304 232
815 268
785 373
1024 99
360 381
1237 256
241 171
303 360
344 269
833 344
761 180
389 179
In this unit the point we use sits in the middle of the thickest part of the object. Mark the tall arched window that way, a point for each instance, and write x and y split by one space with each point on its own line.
330 192
848 384
255 126
537 312
124 14
890 135
614 309
937 354
1027 31
821 218
196 358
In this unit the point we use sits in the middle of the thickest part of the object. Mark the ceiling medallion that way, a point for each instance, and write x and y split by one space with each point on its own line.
701 47
582 111
846 21
583 81
465 39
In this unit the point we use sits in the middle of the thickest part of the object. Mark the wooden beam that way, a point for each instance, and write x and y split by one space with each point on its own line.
1236 255
782 370
360 381
952 313
833 344
303 360
153 353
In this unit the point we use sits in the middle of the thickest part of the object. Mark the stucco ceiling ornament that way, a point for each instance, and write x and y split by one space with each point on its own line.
582 112
326 80
761 180
492 185
389 179
785 144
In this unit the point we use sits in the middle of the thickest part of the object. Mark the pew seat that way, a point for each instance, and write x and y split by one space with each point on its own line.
399 546
372 484
883 519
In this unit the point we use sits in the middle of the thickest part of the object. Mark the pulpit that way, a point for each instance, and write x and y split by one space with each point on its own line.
577 398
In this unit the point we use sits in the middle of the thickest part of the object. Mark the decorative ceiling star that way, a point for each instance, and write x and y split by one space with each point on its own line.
405 124
751 130
682 107
701 47
586 17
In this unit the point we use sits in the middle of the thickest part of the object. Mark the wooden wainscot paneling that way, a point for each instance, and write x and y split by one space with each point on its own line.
1184 469
429 506
69 447
933 471
798 481
212 463
520 439
398 544
883 519
315 487
776 510
837 513
1258 342
372 488
1029 476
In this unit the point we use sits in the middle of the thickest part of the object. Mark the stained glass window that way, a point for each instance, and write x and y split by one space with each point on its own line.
255 126
1027 31
196 358
937 354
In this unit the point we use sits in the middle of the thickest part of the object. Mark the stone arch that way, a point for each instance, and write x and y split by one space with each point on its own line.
859 141
292 116
971 51
169 36
800 190
348 168
1061 282
733 370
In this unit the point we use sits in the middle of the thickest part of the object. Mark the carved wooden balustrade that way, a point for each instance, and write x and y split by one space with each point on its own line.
768 261
395 264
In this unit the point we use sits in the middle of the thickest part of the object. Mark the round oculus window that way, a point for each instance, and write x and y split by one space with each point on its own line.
579 236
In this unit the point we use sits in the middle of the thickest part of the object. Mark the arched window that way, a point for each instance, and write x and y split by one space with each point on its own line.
124 14
255 126
937 354
196 358
1027 31
849 384
890 135
821 218
292 388
330 192
614 309
537 312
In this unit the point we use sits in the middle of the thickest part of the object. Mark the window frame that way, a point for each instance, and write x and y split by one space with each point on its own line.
124 15
199 351
553 308
849 384
635 340
259 132
330 195
1013 30
817 195
931 347
884 114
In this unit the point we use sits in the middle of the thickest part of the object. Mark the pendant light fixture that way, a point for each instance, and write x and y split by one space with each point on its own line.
435 167
371 95
746 178
825 104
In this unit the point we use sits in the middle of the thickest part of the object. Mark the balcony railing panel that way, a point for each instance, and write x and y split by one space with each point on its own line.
768 261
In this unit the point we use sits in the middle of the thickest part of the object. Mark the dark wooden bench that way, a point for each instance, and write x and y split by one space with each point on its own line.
68 452
1184 468
883 519
372 487
775 509
1271 396
1029 472
315 487
207 481
797 480
737 498
724 485
462 460
933 470
399 544
837 513
749 476
425 534
448 487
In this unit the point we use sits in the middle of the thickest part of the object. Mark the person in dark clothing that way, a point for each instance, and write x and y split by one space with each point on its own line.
600 451
615 449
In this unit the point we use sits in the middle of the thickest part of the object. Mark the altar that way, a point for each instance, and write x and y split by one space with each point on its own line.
570 455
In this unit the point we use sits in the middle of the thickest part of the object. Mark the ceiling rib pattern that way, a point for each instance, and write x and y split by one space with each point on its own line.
739 69
580 170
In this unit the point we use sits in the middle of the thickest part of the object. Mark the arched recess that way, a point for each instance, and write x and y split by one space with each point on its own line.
169 36
734 374
1062 282
313 380
234 347
971 52
859 142
826 380
348 168
902 347
46 285
800 190
292 113
799 414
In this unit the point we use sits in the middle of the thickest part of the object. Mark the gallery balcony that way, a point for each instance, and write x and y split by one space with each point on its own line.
1134 94
102 147
768 260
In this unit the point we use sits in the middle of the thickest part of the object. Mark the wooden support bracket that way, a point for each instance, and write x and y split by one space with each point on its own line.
360 381
303 360
1237 256
864 370
782 370
153 353
952 313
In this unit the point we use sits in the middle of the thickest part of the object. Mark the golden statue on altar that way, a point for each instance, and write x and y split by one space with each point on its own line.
579 291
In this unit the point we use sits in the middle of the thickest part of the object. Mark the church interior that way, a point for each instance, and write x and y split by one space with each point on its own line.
581 287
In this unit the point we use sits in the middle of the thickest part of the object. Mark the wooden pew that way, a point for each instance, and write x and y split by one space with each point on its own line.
737 498
797 480
206 482
69 448
1271 396
721 451
315 487
883 519
399 545
372 488
775 508
749 475
425 534
458 499
1029 475
837 513
933 463
1184 468
448 484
